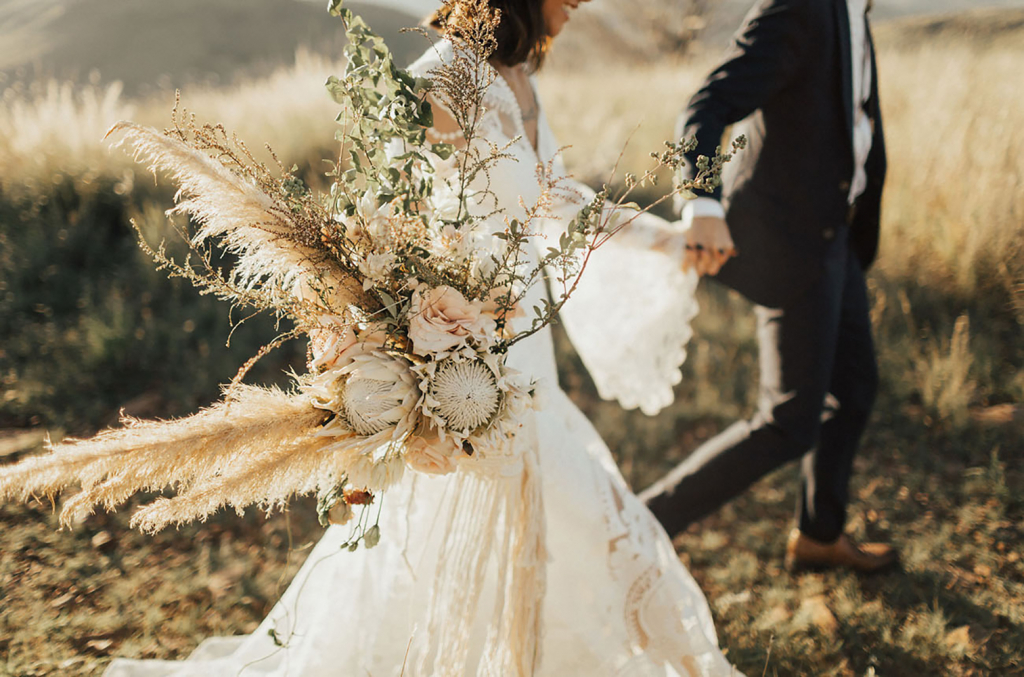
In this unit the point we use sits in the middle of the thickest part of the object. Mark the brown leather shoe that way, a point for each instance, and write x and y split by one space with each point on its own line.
803 552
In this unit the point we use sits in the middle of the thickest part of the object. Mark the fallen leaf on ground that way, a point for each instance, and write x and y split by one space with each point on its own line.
816 610
100 645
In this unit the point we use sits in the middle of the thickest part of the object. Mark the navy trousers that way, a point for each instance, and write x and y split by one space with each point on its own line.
814 346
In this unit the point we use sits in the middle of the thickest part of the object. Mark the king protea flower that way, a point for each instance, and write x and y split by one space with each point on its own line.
462 394
372 393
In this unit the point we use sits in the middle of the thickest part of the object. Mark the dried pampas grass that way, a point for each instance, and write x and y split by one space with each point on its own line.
227 205
259 446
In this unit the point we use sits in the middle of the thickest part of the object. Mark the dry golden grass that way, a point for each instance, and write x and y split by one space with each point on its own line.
595 113
954 211
57 128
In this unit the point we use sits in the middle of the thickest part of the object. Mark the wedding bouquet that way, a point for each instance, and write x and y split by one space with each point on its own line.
405 276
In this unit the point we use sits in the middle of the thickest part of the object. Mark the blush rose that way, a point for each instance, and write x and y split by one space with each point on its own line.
441 319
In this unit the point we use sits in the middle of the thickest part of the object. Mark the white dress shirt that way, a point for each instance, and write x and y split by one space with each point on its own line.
863 127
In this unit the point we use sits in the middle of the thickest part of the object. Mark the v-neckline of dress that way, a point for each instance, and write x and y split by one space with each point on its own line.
518 111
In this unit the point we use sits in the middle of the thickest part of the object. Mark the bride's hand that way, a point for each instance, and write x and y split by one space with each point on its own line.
708 245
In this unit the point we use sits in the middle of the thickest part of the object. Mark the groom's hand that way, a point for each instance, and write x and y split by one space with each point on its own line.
708 245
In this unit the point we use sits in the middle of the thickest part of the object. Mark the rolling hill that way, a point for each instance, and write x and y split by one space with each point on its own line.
149 43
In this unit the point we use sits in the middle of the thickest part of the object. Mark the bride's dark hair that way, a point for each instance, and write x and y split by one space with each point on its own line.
522 36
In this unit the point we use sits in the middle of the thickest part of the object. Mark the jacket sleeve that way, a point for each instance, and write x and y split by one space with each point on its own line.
766 55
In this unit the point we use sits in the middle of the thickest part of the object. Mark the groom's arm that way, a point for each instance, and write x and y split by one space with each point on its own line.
766 55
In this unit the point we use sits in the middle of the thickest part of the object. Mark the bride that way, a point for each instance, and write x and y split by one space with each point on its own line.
617 600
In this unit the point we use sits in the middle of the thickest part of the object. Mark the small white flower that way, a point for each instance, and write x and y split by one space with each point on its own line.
388 472
376 469
444 203
449 241
369 220
443 169
376 268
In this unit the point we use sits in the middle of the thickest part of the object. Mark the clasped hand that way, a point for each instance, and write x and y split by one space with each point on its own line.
705 246
708 245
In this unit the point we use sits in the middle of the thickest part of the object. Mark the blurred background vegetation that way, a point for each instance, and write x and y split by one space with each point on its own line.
88 328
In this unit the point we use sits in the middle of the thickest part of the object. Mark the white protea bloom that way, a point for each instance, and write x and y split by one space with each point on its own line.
465 394
372 393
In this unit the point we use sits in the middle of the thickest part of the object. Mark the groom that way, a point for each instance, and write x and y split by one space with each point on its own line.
802 204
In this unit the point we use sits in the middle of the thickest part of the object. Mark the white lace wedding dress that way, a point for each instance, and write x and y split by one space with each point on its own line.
618 601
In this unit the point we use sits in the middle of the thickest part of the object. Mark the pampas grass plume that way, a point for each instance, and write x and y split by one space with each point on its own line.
259 446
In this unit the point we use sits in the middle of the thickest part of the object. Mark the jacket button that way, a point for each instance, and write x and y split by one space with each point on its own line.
829 234
844 186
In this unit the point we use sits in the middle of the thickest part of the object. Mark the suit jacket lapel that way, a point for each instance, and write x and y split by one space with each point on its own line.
845 57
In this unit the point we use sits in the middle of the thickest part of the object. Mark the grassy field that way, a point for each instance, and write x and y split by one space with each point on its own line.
87 327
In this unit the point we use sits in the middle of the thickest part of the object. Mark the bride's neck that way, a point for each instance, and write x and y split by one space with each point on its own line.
518 71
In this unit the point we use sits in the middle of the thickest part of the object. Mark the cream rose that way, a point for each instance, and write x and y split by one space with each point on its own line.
431 455
330 341
441 319
334 344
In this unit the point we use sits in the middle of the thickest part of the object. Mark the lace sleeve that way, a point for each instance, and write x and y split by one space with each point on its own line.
629 319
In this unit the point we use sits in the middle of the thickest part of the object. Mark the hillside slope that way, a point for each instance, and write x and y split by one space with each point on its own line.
145 43
981 29
607 33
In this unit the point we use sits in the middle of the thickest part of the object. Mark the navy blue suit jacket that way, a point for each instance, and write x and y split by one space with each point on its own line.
787 81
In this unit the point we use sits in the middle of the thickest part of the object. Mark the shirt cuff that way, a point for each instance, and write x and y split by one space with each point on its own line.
701 207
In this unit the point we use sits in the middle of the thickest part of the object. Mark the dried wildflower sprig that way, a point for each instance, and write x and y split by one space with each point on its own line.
459 85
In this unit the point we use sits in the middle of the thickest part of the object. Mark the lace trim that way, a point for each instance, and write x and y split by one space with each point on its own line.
446 137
